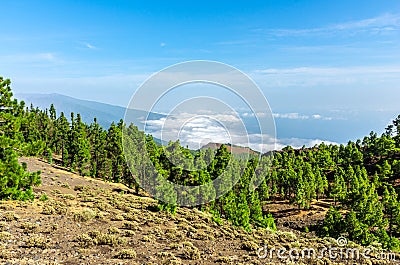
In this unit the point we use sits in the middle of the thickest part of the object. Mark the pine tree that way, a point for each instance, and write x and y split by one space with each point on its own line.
353 185
97 138
357 231
83 147
15 181
333 225
167 196
241 217
369 209
140 154
53 113
62 138
220 162
219 168
115 155
339 189
310 184
300 194
396 126
391 207
321 183
385 171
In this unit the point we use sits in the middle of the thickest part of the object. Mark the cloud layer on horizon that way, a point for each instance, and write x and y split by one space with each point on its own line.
196 131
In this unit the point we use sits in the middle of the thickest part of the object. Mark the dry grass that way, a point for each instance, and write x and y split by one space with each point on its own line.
126 254
132 226
250 245
84 215
5 235
190 251
9 216
37 242
29 227
95 237
3 226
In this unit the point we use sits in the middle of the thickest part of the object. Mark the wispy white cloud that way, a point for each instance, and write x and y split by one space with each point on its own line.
90 46
317 76
29 57
333 70
233 42
384 22
297 116
252 114
318 116
290 116
379 24
86 45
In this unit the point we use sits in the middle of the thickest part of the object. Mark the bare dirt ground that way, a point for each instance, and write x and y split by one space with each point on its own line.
88 221
289 217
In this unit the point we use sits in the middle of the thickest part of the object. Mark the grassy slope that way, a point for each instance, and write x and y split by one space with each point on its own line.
87 221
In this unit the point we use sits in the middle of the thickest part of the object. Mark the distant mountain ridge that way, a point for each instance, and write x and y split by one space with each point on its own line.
234 149
104 113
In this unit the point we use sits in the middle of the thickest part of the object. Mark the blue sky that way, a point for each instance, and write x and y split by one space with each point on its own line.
327 58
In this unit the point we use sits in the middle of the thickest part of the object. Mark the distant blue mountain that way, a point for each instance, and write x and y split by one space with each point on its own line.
104 113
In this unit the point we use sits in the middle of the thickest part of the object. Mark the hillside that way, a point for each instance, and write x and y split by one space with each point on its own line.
88 221
307 198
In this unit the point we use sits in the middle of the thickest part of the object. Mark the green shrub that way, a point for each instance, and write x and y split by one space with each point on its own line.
43 197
